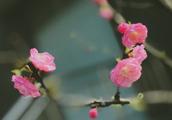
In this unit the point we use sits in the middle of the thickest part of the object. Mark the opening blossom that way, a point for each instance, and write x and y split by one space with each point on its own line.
25 87
126 72
93 113
133 34
139 53
42 61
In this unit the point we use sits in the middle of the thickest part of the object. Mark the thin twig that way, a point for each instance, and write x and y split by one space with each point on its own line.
98 104
107 103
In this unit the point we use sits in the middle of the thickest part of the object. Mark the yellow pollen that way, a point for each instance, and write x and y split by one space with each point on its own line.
133 36
124 72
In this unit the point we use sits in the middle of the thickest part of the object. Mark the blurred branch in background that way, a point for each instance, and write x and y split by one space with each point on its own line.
19 108
35 109
157 97
167 3
27 108
159 54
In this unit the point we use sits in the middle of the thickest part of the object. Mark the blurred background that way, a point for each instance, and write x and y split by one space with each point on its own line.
85 46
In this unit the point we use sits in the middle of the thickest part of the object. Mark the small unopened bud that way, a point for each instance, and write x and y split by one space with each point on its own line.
100 2
123 27
93 113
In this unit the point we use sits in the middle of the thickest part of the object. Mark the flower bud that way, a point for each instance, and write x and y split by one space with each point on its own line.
93 113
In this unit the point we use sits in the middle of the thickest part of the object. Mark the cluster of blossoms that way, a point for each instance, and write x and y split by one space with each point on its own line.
28 85
128 70
105 9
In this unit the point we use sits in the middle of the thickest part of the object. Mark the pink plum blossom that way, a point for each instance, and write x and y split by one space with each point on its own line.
139 53
135 34
42 61
106 12
123 27
25 87
126 72
93 113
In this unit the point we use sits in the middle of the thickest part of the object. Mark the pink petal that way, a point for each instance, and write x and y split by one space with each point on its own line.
42 61
24 86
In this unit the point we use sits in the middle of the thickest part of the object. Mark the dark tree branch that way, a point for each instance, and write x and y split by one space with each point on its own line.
107 103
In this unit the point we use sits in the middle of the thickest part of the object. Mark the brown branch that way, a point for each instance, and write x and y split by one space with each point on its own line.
107 103
97 104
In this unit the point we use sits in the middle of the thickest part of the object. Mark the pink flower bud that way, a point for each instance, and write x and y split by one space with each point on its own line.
25 87
136 33
139 53
106 12
93 113
100 2
123 27
42 61
126 72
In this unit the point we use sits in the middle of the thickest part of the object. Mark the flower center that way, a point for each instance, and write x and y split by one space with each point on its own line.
133 36
124 72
